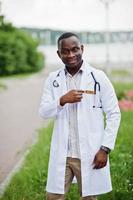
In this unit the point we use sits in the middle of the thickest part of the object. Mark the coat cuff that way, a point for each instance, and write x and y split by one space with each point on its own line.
59 107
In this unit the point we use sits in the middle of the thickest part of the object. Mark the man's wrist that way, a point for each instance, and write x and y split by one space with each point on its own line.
62 102
106 149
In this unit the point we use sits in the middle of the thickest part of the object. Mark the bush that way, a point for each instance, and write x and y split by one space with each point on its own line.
18 51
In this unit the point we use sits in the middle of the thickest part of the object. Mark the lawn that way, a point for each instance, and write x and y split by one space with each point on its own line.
2 86
29 183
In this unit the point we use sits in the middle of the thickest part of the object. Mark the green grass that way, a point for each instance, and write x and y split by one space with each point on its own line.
122 88
29 183
119 87
120 72
18 76
122 162
2 86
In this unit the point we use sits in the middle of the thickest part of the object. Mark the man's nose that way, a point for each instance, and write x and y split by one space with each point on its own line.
71 54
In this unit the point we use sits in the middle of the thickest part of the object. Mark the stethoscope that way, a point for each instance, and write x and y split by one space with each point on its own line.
96 85
55 82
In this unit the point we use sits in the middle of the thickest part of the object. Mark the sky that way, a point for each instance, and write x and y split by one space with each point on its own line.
76 15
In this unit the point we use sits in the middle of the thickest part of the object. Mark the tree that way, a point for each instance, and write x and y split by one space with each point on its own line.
18 51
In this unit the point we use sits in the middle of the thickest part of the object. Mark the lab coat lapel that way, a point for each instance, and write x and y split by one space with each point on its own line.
86 79
61 79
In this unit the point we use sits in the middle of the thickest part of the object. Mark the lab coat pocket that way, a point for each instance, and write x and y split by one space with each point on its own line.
92 100
97 102
88 100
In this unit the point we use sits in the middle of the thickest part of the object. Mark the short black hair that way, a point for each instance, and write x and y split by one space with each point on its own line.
66 35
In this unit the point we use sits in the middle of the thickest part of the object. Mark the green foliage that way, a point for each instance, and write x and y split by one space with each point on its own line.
6 26
122 88
18 51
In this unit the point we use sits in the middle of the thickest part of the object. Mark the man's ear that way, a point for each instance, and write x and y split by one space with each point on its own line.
58 53
82 47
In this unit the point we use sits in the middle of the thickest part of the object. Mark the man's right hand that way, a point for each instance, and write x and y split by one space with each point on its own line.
72 96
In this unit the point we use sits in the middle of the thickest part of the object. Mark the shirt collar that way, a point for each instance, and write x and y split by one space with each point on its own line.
79 71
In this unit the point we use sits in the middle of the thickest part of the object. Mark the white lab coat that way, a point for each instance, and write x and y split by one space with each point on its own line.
92 133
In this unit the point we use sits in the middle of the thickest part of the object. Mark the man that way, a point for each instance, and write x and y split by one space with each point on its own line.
77 96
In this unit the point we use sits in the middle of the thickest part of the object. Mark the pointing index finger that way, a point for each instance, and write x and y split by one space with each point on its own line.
81 91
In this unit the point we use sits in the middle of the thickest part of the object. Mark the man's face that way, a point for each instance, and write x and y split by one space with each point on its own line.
70 51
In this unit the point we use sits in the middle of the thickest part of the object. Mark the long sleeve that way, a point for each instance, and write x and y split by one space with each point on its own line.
112 111
49 106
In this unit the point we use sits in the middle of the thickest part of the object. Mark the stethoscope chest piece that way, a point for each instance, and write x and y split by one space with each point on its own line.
55 83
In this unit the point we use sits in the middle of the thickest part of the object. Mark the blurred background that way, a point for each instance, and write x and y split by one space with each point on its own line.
29 30
105 27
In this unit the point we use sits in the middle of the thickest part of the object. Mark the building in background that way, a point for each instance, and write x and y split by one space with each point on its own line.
49 37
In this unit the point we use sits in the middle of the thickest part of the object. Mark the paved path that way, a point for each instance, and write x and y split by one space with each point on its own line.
19 119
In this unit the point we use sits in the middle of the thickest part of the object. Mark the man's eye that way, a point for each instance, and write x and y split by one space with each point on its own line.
64 52
75 49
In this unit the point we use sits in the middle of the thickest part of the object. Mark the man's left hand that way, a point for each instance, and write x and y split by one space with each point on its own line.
100 159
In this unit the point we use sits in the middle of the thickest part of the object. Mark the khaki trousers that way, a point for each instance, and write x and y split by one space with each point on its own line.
73 168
